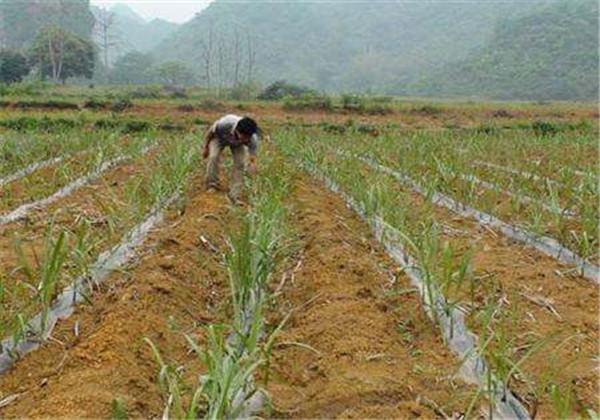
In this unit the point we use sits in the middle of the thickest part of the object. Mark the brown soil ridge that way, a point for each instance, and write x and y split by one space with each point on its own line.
539 303
87 201
174 289
350 350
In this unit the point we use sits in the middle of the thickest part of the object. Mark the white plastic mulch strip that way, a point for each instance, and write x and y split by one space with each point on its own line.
451 321
523 174
22 211
250 399
40 327
29 170
519 197
544 244
527 174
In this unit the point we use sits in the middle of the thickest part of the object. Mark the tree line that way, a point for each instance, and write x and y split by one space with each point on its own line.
61 39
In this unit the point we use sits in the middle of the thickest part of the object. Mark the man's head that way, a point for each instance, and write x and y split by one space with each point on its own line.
245 129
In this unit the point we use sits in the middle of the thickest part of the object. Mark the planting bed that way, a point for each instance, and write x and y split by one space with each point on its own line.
337 288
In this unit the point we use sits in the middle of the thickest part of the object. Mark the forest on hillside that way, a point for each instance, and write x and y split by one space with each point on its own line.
517 50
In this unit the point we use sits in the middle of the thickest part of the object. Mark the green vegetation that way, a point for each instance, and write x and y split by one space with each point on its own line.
519 50
13 66
549 54
21 21
35 282
443 259
60 54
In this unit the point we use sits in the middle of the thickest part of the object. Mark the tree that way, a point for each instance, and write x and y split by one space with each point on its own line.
13 66
134 67
174 73
60 54
207 54
21 19
105 33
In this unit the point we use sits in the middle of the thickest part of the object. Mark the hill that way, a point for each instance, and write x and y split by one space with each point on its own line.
20 21
551 53
339 45
130 32
423 48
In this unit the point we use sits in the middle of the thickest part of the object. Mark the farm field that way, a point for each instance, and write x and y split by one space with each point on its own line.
392 259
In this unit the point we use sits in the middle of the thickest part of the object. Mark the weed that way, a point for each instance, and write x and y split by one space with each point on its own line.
118 410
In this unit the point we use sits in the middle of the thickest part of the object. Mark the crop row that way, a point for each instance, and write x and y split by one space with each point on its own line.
498 309
56 248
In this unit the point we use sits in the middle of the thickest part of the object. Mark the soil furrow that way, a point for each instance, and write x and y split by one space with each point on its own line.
535 302
175 288
92 202
358 343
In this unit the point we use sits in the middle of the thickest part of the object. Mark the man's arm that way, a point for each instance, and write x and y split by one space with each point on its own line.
252 152
208 136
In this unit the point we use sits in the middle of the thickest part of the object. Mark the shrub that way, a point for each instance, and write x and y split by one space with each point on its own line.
135 126
353 103
176 92
104 124
426 110
52 104
244 91
282 89
502 113
544 128
93 103
121 105
13 66
42 124
186 108
146 92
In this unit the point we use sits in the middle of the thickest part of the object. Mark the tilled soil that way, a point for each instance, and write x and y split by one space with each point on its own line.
91 202
174 289
358 343
41 183
537 306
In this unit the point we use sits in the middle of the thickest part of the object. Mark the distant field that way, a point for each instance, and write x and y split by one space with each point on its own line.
394 258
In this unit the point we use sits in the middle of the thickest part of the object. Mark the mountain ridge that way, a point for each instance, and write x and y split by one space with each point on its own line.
375 48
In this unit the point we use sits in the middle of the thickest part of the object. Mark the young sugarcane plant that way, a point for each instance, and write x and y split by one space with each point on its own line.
43 275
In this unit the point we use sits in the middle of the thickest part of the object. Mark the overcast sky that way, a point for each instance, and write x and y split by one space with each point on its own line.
173 10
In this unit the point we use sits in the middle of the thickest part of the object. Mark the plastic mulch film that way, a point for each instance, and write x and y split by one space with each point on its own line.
451 322
544 244
65 191
29 170
41 326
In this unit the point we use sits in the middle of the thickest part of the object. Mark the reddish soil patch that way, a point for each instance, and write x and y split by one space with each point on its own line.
528 288
92 202
40 184
369 356
175 288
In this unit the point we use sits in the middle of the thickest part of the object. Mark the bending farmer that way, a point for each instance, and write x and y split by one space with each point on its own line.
237 133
